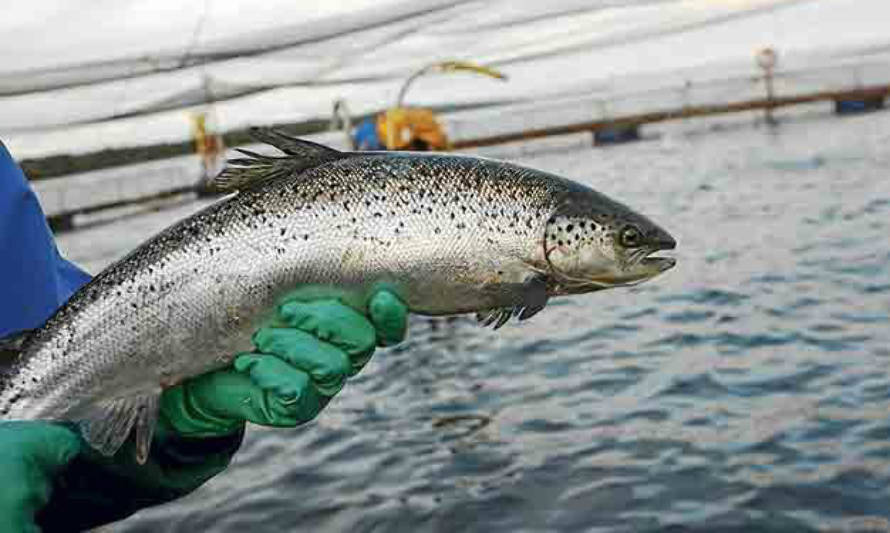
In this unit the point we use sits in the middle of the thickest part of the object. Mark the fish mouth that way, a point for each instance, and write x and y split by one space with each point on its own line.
643 265
660 264
656 263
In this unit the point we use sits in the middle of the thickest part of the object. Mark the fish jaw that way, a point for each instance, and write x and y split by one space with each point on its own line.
644 270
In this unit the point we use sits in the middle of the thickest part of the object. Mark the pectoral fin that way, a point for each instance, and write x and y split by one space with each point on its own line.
533 298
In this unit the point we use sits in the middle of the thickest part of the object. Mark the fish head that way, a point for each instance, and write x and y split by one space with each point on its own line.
592 243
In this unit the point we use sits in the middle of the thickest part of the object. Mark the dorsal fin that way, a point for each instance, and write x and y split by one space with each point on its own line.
256 168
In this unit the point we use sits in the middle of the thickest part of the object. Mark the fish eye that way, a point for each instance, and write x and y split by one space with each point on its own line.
630 237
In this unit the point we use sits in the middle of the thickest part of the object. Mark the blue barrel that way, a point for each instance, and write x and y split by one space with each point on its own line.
847 107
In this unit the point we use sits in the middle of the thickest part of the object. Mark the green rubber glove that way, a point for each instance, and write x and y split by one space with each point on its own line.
31 454
296 369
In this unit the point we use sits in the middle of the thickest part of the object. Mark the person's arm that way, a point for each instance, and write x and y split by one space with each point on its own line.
34 278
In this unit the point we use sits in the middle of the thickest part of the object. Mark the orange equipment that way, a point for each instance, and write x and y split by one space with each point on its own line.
208 145
406 128
401 127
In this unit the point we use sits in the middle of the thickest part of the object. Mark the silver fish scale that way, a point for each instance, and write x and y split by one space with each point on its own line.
448 234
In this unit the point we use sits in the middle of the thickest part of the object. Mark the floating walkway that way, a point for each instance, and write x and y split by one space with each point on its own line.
65 197
625 127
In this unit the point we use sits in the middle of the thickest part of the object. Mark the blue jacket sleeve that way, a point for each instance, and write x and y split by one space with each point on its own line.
35 278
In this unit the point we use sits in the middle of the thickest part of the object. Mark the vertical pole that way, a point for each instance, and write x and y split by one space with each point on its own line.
687 88
770 96
602 118
766 60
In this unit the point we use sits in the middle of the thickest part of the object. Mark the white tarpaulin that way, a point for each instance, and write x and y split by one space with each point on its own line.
78 76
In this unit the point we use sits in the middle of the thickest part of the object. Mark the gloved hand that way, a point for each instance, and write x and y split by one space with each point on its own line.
294 372
31 454
299 365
